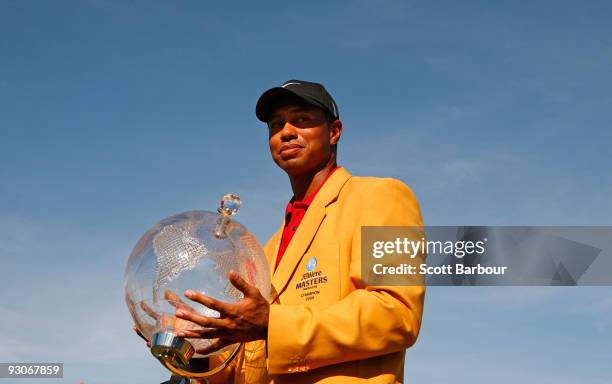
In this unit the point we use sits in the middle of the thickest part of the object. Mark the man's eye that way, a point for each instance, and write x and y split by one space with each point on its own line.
302 119
276 124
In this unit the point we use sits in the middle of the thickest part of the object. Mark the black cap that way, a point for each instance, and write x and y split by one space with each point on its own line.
299 91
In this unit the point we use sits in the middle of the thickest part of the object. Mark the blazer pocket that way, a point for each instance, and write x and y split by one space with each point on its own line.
318 281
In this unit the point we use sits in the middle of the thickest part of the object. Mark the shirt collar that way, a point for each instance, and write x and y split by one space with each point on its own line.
304 204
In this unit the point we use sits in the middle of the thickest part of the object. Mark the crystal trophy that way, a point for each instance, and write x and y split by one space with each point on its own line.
191 250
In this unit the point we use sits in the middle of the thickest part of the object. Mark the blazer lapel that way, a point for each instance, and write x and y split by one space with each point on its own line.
306 231
277 239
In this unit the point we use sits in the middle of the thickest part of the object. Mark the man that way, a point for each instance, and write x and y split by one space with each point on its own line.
323 324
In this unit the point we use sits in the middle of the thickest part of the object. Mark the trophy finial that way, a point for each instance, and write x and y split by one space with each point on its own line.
230 204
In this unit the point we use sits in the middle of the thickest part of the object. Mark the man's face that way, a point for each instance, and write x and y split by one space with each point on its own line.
301 138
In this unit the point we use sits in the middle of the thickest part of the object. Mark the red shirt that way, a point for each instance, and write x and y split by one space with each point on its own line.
294 213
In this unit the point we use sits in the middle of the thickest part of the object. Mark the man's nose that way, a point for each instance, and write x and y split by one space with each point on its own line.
288 132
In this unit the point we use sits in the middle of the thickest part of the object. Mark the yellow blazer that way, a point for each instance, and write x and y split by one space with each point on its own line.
326 325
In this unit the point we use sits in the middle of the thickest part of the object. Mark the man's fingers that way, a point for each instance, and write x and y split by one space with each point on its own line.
135 328
215 346
169 295
149 311
207 322
141 335
208 333
175 300
247 289
209 302
188 334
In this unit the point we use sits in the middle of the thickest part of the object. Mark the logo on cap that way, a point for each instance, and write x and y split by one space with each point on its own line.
289 83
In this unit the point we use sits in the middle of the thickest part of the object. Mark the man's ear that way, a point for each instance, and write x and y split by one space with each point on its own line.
335 131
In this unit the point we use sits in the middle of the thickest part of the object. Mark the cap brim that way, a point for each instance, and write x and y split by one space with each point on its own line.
276 96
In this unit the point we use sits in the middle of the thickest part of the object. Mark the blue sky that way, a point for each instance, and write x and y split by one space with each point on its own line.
115 114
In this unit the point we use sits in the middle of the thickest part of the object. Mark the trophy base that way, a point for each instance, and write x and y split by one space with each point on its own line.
168 347
175 354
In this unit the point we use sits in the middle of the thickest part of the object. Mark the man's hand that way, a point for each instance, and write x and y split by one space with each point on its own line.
174 300
244 321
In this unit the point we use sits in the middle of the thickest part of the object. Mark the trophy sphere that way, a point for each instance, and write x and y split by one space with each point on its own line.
191 250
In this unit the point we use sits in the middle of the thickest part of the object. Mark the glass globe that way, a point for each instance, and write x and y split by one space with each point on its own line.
191 250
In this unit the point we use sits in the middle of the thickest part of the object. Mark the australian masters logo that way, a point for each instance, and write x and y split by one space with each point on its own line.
312 264
311 280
